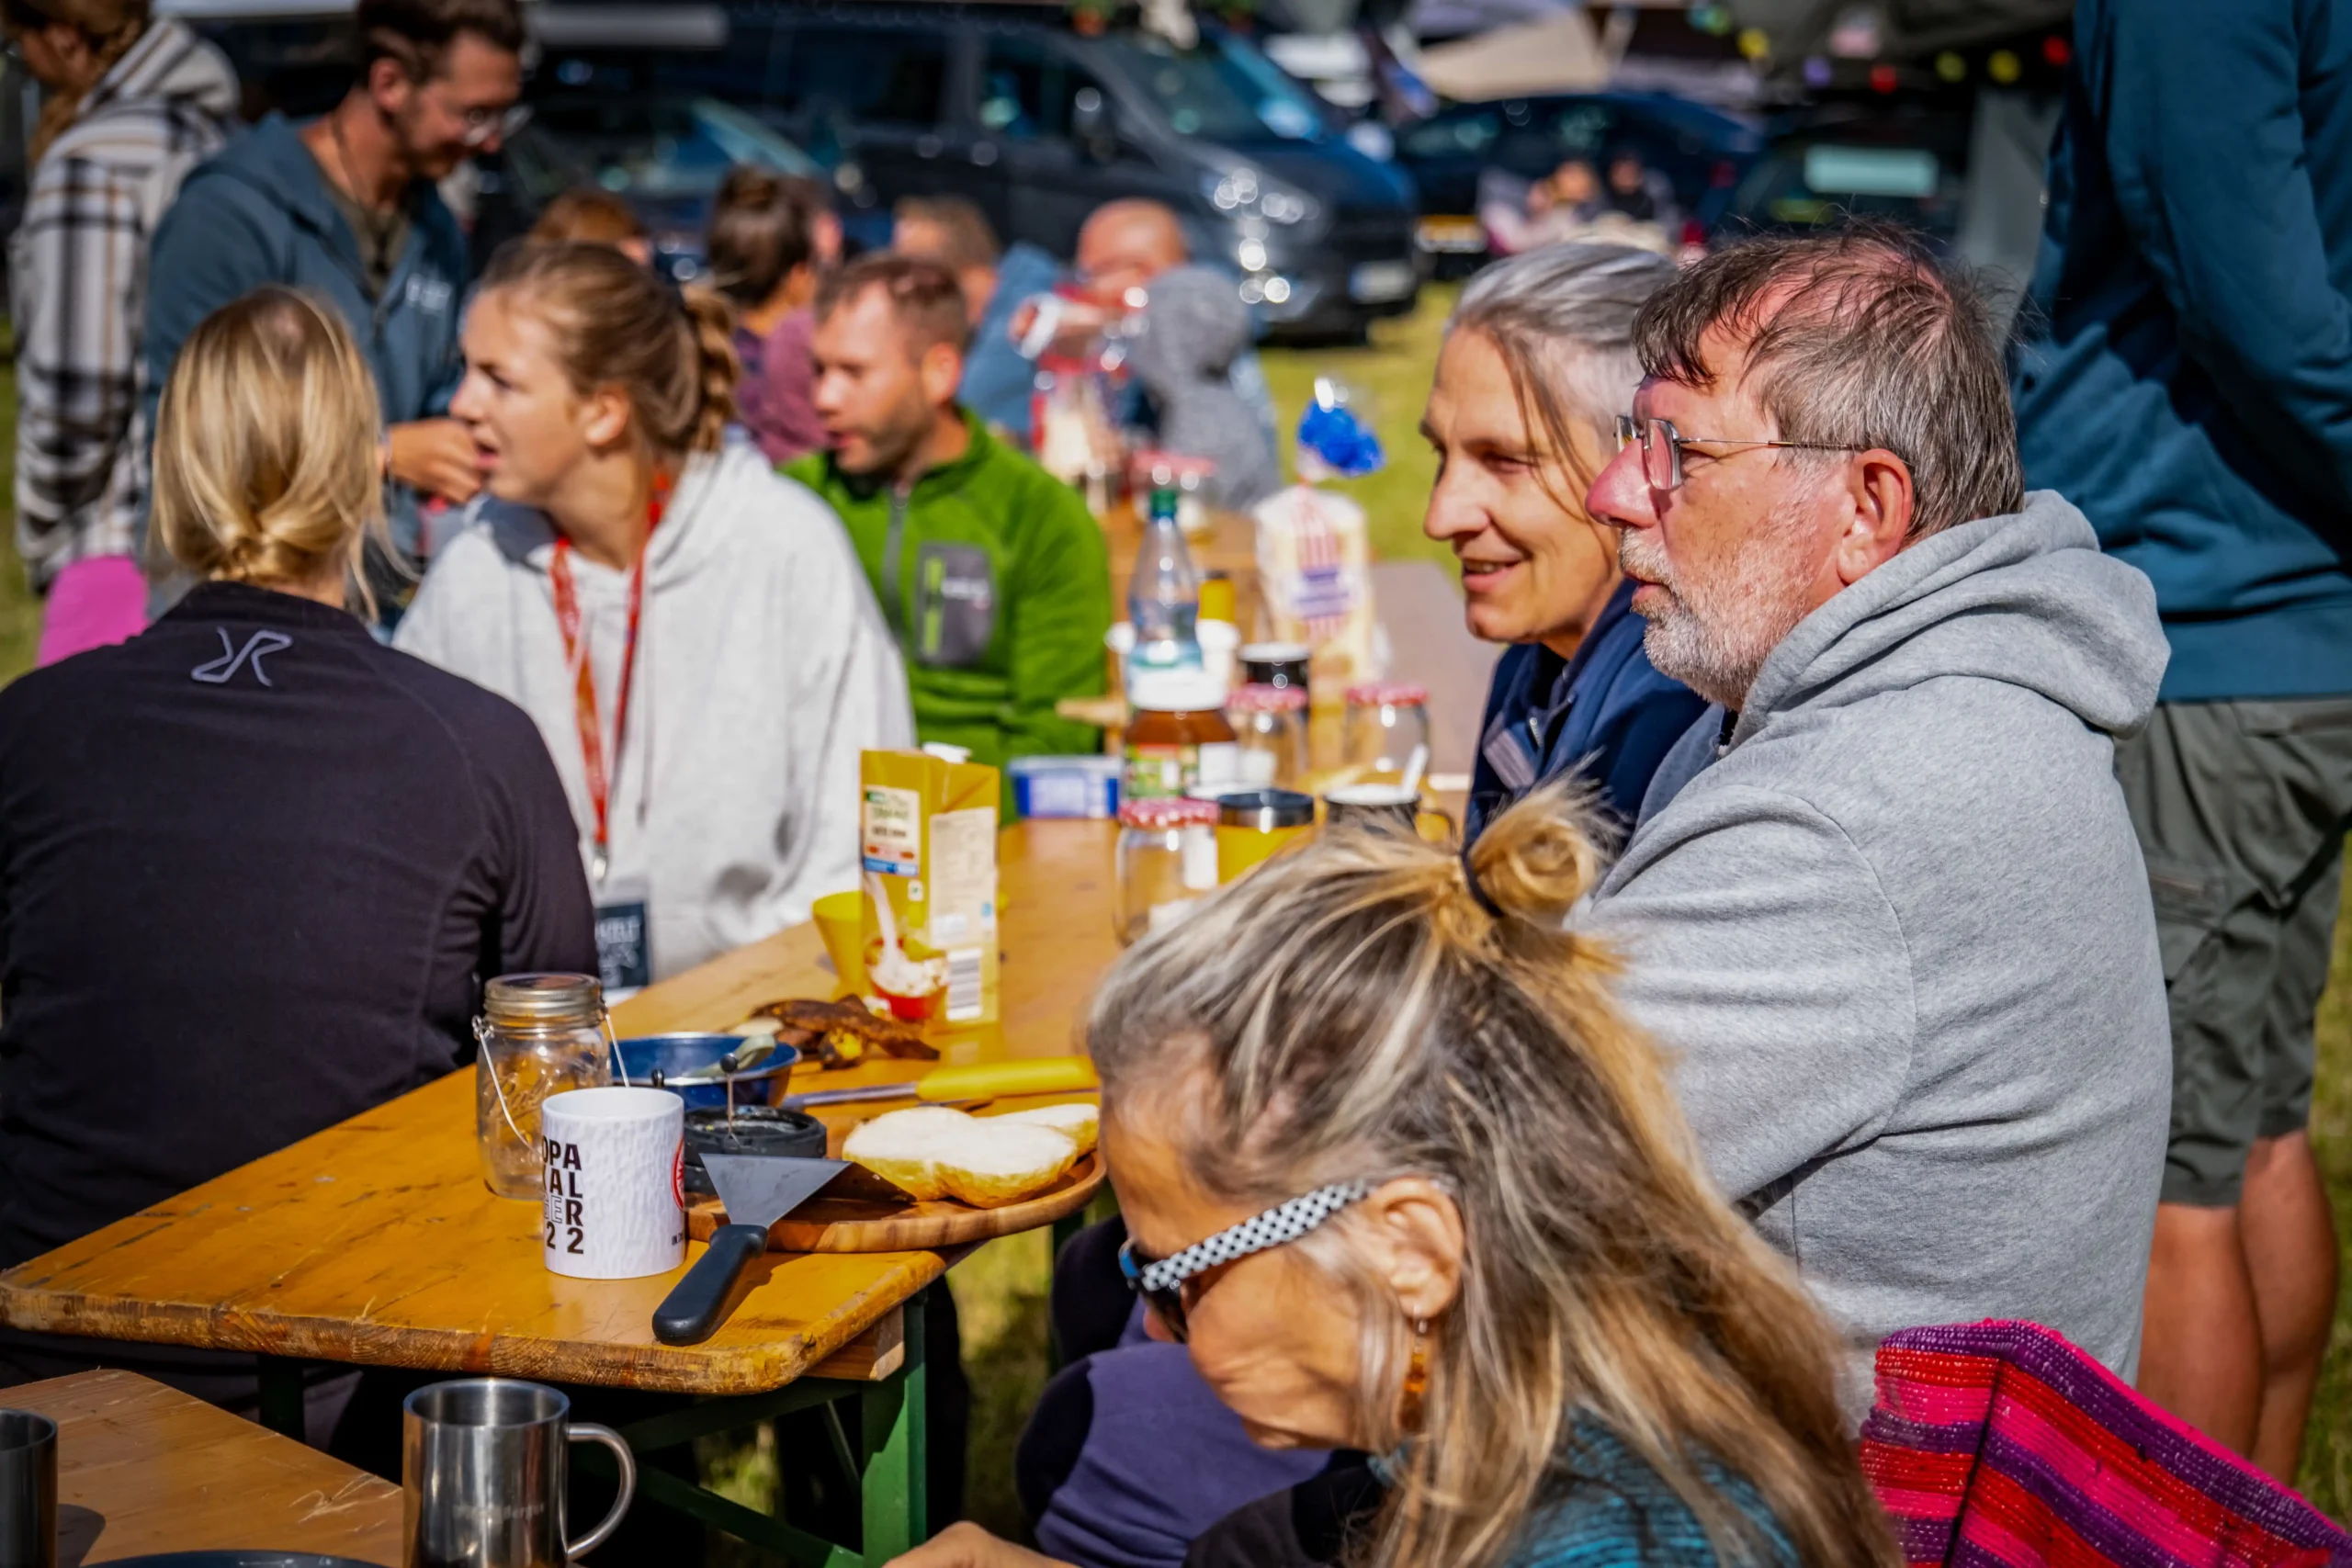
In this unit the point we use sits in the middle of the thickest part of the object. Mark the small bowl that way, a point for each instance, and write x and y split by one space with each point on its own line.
678 1054
758 1129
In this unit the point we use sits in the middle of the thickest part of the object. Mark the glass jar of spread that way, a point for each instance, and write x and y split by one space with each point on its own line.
1269 726
539 1034
1179 737
1167 859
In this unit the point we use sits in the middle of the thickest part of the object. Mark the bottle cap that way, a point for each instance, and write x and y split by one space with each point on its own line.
1388 693
1182 689
1167 811
1266 699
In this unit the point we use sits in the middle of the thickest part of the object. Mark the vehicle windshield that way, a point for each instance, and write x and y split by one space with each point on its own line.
1222 90
644 147
1808 184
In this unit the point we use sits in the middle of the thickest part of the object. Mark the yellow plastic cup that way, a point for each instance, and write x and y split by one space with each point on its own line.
841 921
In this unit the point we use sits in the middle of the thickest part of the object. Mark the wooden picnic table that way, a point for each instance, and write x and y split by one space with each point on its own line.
142 1468
376 1242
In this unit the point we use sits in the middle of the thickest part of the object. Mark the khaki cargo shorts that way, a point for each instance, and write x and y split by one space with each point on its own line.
2241 808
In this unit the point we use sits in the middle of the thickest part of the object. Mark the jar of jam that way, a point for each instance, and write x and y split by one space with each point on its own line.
1386 721
1167 859
1179 737
1269 726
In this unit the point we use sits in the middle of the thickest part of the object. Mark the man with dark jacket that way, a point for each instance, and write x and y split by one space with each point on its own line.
991 572
2184 376
344 208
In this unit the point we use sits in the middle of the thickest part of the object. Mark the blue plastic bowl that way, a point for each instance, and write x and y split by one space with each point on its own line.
680 1053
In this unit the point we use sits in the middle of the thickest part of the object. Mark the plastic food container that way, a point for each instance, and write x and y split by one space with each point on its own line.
1083 788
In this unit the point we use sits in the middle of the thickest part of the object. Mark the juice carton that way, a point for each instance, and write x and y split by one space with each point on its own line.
927 842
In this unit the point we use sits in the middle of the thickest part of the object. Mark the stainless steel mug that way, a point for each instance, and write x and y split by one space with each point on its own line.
483 1466
27 1490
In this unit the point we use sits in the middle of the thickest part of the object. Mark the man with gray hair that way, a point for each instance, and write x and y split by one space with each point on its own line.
1884 907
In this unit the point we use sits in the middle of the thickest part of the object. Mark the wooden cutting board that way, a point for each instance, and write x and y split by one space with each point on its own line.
869 1215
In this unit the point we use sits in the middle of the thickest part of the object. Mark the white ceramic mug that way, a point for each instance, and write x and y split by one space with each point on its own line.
614 1182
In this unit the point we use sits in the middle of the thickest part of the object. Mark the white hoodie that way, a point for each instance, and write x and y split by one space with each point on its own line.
763 670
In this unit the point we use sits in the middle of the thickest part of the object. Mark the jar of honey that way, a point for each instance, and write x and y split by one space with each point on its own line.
1179 737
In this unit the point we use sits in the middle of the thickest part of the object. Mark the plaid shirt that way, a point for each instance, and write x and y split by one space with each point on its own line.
78 273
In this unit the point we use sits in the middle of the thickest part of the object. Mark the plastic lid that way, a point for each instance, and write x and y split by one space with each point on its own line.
1175 690
1276 652
1388 693
1167 811
543 998
1266 699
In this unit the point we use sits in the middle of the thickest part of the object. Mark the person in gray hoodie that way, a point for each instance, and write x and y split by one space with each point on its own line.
1883 906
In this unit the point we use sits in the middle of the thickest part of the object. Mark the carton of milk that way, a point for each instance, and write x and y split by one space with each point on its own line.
927 824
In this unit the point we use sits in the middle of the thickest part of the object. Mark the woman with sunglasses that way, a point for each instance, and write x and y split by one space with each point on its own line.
130 106
1402 1181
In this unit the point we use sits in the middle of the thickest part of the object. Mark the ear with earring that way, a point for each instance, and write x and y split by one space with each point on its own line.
1416 1380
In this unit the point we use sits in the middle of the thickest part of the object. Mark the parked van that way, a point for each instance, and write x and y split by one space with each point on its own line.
1006 105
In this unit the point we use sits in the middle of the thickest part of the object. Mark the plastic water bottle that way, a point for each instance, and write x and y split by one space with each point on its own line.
1164 596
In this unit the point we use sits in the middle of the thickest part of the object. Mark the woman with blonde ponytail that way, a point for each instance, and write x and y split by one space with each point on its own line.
252 862
130 107
688 626
1400 1177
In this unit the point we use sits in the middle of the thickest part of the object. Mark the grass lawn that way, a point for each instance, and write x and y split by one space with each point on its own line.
1000 1291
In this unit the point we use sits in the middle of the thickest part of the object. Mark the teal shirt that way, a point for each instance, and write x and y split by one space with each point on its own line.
1612 1510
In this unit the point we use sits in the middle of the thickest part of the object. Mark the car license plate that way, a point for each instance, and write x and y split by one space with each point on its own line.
1375 282
1455 236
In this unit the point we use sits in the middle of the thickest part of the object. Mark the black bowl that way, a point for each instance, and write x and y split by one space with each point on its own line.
757 1130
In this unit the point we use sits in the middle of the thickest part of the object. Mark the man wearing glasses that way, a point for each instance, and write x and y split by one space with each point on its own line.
345 206
1883 905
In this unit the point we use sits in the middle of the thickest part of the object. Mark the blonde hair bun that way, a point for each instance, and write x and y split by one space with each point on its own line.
265 460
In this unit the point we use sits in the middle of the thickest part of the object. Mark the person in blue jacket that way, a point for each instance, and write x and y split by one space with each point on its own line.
1538 362
952 232
2183 374
344 208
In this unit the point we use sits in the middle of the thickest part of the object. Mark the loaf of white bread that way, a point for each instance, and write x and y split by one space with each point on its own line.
930 1151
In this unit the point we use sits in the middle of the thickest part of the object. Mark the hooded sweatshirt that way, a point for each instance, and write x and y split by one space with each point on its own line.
260 213
1194 327
78 269
763 670
1895 939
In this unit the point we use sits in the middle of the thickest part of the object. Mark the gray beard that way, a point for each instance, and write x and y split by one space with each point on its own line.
1715 640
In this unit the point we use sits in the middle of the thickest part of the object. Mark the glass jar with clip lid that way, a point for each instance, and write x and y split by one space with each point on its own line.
539 1034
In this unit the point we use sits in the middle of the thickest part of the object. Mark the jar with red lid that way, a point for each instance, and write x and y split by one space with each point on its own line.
1386 720
1167 859
1269 726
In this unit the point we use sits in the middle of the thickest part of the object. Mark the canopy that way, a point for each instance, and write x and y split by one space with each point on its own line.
1558 54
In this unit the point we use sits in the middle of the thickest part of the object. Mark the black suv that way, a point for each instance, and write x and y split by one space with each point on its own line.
1005 105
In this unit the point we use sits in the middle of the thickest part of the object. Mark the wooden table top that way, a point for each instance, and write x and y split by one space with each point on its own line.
142 1468
375 1242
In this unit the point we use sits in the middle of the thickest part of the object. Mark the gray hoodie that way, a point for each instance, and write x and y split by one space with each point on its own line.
1897 936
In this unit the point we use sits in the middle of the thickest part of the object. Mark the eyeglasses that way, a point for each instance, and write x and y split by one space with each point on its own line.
1662 446
482 124
1160 1280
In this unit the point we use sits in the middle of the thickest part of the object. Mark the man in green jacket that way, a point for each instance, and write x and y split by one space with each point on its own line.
991 572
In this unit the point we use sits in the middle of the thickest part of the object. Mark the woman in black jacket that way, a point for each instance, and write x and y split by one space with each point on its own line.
255 866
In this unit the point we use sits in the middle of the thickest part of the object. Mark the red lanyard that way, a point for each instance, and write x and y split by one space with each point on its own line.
575 653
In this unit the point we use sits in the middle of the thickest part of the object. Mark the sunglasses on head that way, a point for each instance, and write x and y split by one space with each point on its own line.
1161 1281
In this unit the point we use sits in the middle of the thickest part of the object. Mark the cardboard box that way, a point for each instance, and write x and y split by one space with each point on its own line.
927 846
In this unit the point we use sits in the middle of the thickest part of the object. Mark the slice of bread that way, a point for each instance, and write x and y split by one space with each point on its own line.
930 1152
900 1147
1079 1121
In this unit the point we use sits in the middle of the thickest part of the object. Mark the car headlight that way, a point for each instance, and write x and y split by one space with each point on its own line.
1242 190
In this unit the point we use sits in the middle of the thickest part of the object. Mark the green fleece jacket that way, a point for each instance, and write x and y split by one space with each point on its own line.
994 578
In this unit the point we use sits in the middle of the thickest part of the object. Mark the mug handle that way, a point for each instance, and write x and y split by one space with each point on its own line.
589 1432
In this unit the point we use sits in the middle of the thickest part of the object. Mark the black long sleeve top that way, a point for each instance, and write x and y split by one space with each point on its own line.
254 868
